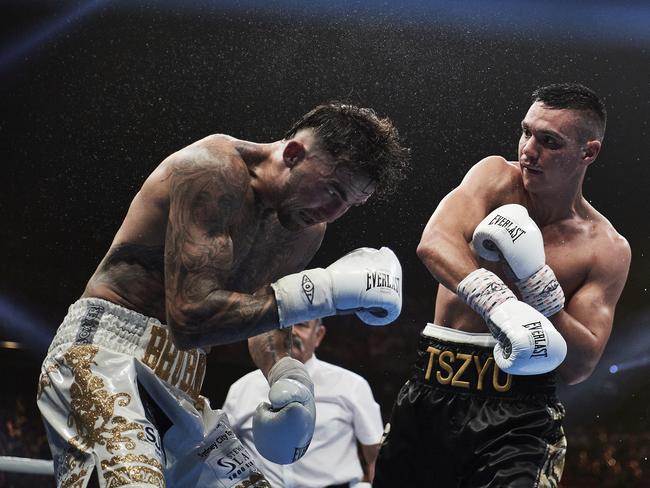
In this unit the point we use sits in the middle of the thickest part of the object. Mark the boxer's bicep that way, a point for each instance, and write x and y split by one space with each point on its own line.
444 247
587 319
594 303
199 258
198 247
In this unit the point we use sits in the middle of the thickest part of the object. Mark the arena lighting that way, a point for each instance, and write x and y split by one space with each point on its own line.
633 364
599 21
29 331
627 353
20 49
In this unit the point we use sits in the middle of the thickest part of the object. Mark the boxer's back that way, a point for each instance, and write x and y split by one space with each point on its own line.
255 248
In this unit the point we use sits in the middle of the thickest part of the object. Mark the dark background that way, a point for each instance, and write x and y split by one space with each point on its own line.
93 95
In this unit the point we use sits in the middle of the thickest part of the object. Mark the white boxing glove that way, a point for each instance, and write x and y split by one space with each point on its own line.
282 430
366 281
509 233
527 342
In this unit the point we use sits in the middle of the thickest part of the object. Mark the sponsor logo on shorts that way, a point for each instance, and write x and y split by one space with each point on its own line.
151 435
221 438
237 462
514 230
379 279
539 338
308 288
89 324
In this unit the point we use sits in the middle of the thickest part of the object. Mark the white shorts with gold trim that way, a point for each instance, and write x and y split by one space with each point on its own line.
108 378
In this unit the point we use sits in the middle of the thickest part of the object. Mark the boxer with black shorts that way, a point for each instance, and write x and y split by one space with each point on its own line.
530 274
212 251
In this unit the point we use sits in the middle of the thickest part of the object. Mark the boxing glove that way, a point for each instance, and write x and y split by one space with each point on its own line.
509 233
366 281
283 428
527 342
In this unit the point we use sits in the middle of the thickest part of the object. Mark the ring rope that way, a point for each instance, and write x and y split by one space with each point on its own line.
26 465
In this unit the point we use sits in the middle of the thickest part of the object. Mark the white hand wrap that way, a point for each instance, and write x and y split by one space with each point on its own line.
508 233
542 291
527 342
282 430
482 290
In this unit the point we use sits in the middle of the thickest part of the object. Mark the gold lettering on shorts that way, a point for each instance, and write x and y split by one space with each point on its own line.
167 358
481 370
155 346
456 381
444 380
187 382
183 358
495 380
182 369
433 352
454 369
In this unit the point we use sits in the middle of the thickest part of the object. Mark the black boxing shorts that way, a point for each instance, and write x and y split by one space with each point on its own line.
462 422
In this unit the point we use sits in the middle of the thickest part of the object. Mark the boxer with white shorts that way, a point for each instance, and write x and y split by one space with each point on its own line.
212 251
530 275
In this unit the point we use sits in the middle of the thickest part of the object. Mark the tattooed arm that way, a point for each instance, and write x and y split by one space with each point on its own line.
205 198
268 348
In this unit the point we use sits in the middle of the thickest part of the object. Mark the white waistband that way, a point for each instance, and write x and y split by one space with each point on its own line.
459 336
111 326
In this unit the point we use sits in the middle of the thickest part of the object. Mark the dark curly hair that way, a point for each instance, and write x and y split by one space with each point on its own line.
358 138
573 96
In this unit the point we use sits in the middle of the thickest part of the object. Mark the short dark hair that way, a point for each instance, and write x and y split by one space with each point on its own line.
573 96
357 137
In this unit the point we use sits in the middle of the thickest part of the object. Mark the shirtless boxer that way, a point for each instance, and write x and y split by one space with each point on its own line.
480 409
212 251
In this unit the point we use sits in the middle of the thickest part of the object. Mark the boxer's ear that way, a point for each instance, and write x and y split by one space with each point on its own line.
590 152
293 153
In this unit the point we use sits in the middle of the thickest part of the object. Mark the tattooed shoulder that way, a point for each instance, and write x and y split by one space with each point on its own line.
208 187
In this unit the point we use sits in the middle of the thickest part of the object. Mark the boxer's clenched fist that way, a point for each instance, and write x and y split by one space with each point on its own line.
283 428
527 342
366 281
509 233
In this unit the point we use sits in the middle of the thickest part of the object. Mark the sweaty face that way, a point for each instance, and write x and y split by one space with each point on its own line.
318 190
550 147
306 337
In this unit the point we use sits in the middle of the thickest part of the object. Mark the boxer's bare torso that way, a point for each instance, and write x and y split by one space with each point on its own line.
248 247
574 246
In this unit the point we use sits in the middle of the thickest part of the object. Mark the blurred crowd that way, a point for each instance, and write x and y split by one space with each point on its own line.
608 458
22 435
